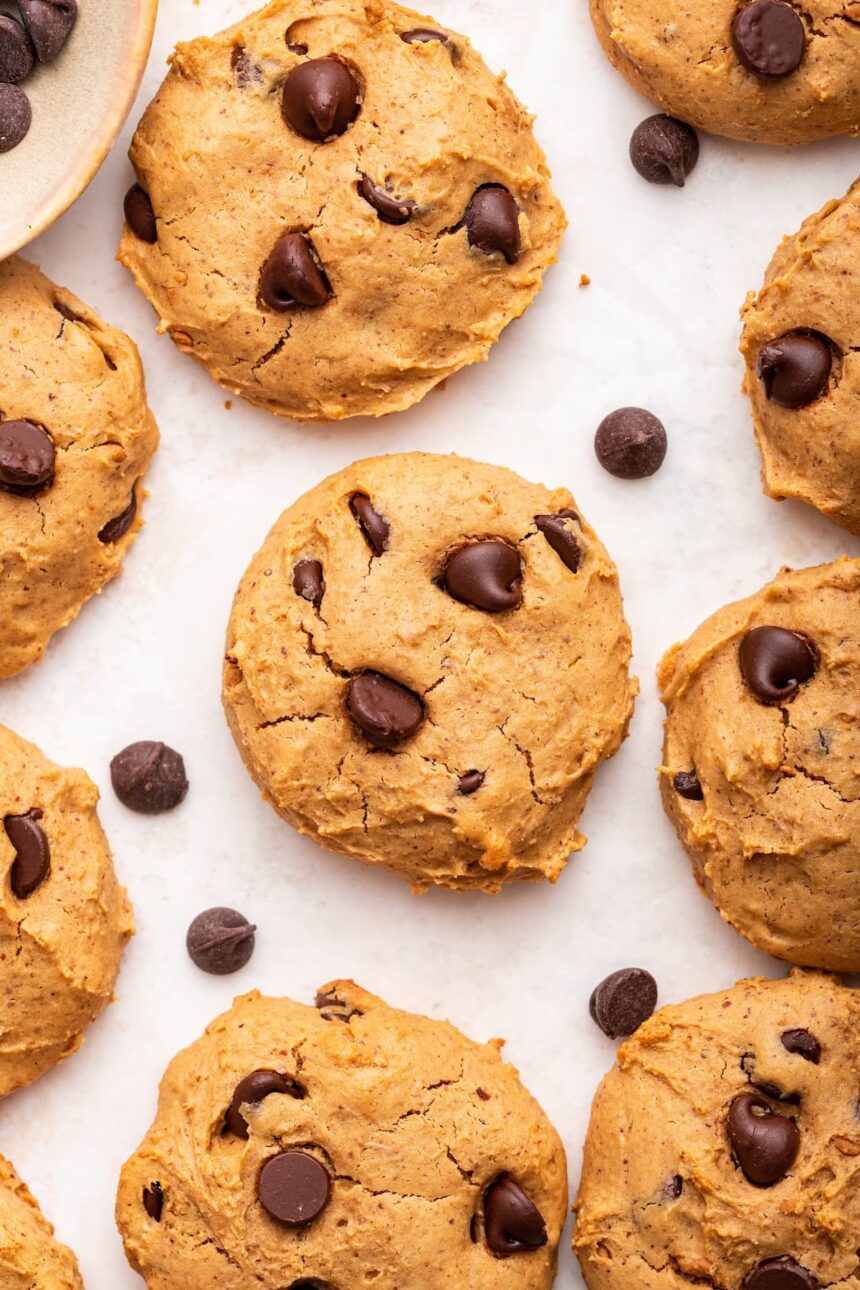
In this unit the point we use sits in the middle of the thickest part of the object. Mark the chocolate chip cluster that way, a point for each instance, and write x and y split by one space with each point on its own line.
37 36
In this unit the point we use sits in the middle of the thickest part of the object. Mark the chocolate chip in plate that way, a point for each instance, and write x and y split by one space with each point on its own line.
765 1144
16 117
139 214
253 1089
32 862
149 777
664 150
292 275
27 455
486 574
320 99
390 209
782 1273
117 527
385 711
630 443
309 582
16 52
623 1001
559 533
49 24
769 38
795 369
220 941
294 1188
492 221
803 1044
513 1224
775 663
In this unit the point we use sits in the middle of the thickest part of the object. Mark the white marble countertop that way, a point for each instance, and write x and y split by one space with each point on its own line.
658 327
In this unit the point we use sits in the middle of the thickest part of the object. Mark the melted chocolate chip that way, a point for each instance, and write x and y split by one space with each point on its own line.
687 785
294 1188
623 1001
320 99
664 150
803 1044
49 24
492 222
384 710
16 52
423 35
782 1273
561 537
220 941
120 524
253 1089
795 369
308 581
769 38
334 1009
390 209
512 1221
470 782
764 1143
153 1201
292 275
27 457
148 777
373 526
775 663
16 116
32 862
486 575
139 214
630 443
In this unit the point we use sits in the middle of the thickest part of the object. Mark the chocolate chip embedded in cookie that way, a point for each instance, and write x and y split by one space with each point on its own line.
395 208
30 1254
760 761
315 1137
430 685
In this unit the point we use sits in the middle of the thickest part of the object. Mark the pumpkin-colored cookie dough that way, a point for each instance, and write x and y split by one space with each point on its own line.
30 1257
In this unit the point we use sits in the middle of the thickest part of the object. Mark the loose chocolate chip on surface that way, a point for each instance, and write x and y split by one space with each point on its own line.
373 526
32 862
764 1143
334 1009
795 369
512 1222
294 1188
16 116
49 24
320 99
803 1044
775 663
220 941
291 276
422 35
384 710
623 1001
16 52
120 524
769 38
308 581
153 1201
561 537
149 777
687 785
630 443
27 456
252 1089
486 575
492 222
470 782
664 150
139 214
780 1274
390 209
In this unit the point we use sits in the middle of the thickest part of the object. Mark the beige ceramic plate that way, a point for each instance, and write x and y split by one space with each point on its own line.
80 102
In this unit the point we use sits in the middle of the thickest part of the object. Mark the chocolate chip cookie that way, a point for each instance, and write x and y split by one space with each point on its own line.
29 1254
723 1147
761 774
340 1146
338 206
76 438
64 919
768 71
426 662
801 343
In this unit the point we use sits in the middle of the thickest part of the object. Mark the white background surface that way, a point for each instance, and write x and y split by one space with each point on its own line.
657 327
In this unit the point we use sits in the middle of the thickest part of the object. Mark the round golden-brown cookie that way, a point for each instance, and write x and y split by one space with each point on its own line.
30 1257
340 1146
761 774
801 343
64 919
686 60
723 1147
71 480
387 278
514 693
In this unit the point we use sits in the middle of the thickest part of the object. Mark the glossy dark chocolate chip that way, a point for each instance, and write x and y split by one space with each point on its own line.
630 443
27 456
153 1201
373 526
492 222
294 1188
795 369
687 785
139 214
486 575
384 710
390 209
623 1001
664 150
320 99
803 1044
775 663
292 276
120 524
559 533
423 35
32 862
220 941
764 1143
16 116
512 1221
252 1089
149 777
16 52
334 1009
769 38
49 24
470 782
783 1273
308 581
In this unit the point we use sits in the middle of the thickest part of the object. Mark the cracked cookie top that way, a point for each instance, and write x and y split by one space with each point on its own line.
338 206
801 343
761 773
338 1146
64 919
767 71
723 1147
29 1254
76 438
426 662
